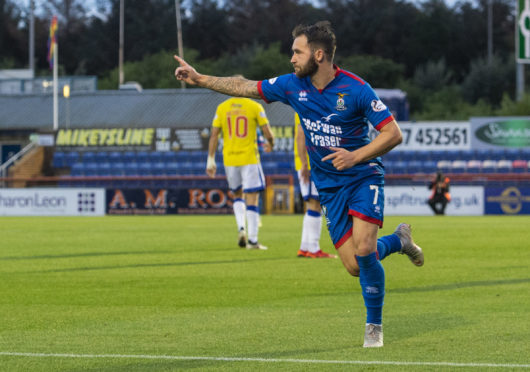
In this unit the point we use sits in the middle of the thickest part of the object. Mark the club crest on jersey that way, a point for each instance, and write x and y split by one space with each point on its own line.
340 102
378 105
302 96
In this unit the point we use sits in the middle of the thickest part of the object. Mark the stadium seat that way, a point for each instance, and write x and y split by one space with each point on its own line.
78 169
497 154
489 166
142 156
519 166
159 169
453 155
409 156
117 169
104 169
438 155
400 167
474 166
172 168
483 154
115 157
91 168
458 166
444 165
155 156
414 166
389 166
129 156
513 154
424 155
504 166
71 158
144 168
186 168
89 157
58 159
466 155
102 156
131 169
168 157
428 166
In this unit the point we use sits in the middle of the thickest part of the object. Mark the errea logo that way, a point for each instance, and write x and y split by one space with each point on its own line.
302 96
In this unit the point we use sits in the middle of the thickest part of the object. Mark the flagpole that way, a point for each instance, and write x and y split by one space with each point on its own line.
55 87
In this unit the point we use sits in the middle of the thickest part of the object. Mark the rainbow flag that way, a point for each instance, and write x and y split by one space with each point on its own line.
52 41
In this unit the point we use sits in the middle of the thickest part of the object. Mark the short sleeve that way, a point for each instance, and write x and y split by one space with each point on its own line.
274 89
261 115
373 108
216 121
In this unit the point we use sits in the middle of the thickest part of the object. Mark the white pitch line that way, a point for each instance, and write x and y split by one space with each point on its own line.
264 360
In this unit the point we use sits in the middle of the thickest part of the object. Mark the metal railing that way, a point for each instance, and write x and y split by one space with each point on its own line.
11 160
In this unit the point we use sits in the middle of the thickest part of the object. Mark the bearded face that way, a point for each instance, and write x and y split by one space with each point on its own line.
308 69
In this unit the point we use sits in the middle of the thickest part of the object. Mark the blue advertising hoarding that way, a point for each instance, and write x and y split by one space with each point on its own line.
169 201
507 200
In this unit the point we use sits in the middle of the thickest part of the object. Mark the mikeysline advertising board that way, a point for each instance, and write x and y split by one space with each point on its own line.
52 202
152 139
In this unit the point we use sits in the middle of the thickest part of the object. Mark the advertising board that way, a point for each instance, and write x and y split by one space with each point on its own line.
507 200
169 201
412 201
52 202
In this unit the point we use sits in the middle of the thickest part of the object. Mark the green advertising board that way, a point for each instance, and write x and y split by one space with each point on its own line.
523 31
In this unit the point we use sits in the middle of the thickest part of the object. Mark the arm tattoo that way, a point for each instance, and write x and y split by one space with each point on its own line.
232 86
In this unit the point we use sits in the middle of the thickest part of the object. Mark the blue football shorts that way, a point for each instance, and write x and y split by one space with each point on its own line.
364 198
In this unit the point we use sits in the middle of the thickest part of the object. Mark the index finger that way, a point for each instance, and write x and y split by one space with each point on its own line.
179 60
333 154
330 156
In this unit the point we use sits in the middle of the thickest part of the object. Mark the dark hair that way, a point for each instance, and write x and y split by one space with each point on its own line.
318 35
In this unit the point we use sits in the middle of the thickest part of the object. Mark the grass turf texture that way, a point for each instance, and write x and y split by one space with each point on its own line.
180 286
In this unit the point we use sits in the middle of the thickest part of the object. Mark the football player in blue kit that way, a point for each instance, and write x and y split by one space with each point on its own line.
335 107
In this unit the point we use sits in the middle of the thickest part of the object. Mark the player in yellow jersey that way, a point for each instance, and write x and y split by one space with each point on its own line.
312 224
239 119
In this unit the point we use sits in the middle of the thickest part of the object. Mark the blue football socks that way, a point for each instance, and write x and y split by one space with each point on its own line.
372 279
388 244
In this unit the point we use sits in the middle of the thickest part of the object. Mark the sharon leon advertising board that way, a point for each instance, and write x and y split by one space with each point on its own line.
52 202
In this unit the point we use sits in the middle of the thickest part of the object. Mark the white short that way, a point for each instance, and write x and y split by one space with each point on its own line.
307 189
250 177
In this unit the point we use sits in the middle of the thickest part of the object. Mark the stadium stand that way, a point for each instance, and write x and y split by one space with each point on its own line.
163 164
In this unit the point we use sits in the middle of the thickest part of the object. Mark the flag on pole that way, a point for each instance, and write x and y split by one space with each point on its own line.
52 41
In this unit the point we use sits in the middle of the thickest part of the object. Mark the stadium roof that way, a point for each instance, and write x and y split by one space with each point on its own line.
129 109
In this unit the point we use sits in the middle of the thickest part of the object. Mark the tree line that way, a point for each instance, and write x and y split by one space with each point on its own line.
437 53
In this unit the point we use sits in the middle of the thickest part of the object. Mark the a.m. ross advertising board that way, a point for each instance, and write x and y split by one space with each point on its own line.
169 201
52 202
412 200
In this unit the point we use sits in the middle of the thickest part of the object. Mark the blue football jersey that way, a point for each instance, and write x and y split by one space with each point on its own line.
336 116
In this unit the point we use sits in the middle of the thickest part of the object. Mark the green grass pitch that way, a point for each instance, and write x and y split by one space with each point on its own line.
172 293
